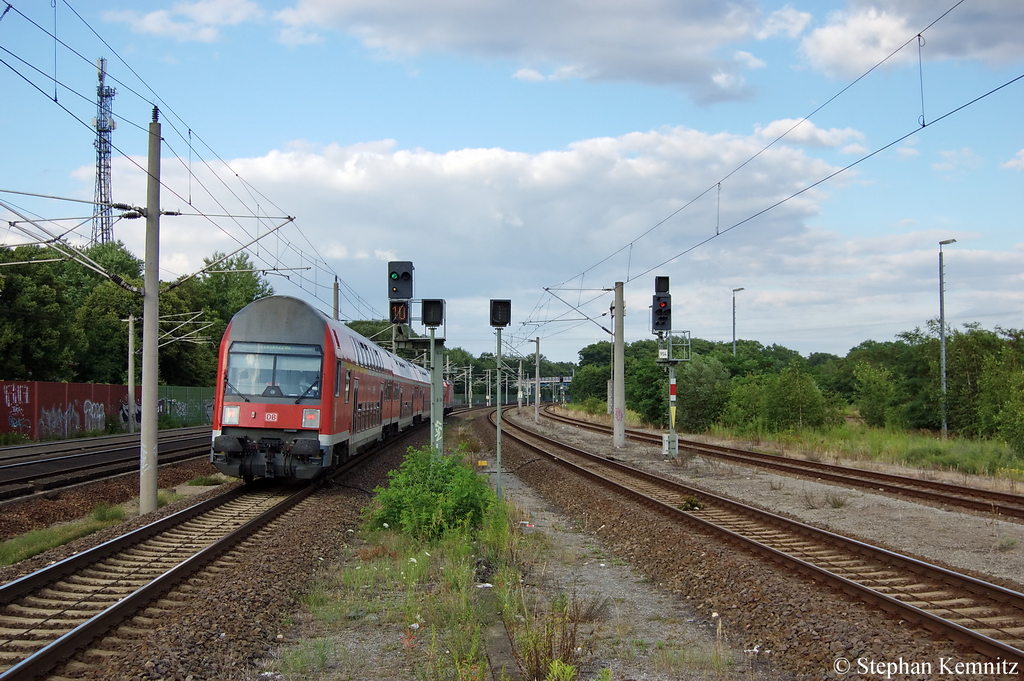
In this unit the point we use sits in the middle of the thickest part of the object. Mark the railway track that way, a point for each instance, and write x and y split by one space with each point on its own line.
982 616
43 467
53 614
46 616
943 493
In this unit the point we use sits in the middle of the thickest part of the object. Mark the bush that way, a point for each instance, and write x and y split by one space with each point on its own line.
594 406
431 494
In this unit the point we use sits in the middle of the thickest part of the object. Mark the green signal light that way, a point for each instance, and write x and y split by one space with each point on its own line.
394 275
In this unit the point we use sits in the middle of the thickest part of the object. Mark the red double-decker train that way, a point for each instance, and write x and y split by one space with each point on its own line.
299 393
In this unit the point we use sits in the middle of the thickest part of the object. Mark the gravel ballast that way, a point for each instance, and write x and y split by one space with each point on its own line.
667 584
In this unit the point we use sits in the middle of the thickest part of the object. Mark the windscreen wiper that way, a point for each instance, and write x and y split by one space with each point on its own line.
311 386
227 384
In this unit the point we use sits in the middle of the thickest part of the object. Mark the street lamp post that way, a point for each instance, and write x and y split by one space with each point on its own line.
734 319
942 336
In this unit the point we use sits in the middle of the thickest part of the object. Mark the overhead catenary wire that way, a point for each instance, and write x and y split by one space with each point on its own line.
309 283
718 231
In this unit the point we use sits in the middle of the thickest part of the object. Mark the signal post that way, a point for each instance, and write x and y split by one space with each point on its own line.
501 316
400 295
661 324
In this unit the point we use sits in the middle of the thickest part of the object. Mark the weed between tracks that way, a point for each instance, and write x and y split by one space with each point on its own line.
419 605
35 542
104 515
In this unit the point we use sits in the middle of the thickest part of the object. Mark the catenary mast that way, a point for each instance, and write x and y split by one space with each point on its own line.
102 221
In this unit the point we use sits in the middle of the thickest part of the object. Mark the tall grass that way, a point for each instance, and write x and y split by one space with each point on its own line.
922 450
35 542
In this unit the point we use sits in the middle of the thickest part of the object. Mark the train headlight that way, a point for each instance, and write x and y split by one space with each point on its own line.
231 415
310 418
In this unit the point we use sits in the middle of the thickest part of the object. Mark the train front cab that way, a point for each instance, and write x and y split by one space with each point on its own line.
272 412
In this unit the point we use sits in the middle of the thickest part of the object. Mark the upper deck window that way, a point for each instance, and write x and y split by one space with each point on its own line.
274 370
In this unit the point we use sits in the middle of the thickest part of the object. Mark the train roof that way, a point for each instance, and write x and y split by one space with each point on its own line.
277 319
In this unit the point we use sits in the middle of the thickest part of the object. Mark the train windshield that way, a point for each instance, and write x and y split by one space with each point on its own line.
274 370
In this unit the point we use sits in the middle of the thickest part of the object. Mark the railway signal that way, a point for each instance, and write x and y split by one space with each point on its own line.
400 280
661 312
501 313
432 313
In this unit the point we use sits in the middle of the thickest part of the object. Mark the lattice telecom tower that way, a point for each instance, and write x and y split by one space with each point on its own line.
103 220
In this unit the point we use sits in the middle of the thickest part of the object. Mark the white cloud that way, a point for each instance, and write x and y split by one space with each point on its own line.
859 37
749 60
294 36
787 21
855 41
803 131
493 223
220 12
1015 163
161 23
531 75
958 159
189 22
663 42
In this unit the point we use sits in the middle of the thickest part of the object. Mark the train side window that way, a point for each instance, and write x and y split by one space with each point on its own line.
348 385
337 380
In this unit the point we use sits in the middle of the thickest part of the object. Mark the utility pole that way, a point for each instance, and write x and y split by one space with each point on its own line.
942 337
103 219
536 397
131 374
734 318
432 315
436 394
519 389
151 327
619 378
336 312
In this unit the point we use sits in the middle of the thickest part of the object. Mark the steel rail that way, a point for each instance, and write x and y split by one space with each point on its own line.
46 658
963 496
936 623
84 444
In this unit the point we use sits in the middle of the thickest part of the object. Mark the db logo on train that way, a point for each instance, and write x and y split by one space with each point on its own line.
271 416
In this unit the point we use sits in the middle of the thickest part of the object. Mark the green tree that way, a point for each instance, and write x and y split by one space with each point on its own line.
745 407
966 354
702 390
646 388
1001 402
37 324
229 285
191 360
113 258
596 353
102 356
875 394
793 401
591 380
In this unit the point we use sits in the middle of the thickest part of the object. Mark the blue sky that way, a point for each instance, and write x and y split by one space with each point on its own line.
508 148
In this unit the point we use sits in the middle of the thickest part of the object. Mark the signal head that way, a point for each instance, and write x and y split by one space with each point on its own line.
400 280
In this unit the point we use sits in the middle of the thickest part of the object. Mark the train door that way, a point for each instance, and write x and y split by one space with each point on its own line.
356 425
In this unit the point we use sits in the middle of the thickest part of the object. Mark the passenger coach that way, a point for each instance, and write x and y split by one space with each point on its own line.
298 392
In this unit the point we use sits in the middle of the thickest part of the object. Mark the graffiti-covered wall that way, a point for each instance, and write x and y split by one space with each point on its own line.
41 411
